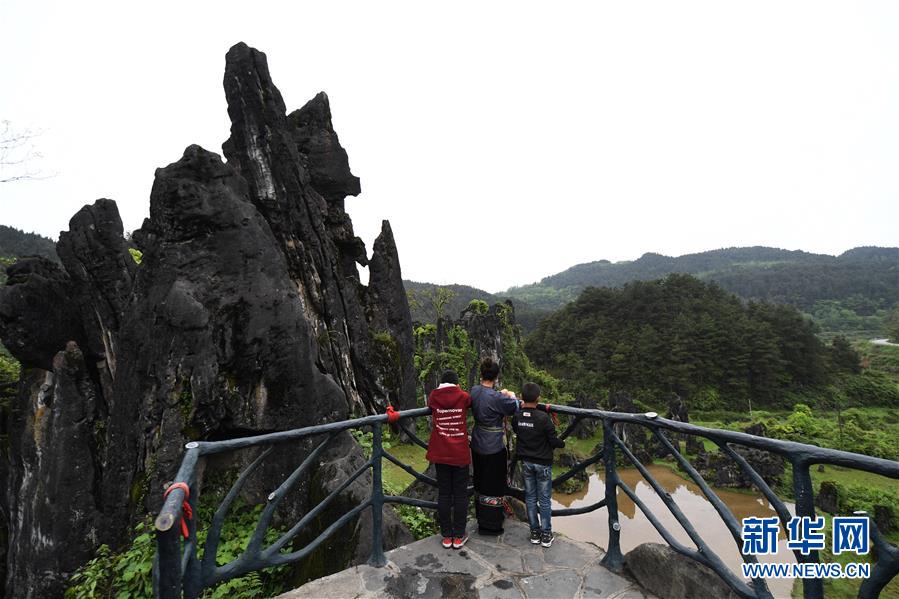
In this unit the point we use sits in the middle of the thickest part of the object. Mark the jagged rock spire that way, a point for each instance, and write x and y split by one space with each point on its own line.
246 315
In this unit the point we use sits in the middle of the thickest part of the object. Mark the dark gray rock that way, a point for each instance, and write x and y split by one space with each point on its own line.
638 439
758 429
298 176
420 490
485 335
680 578
52 453
36 316
884 518
567 459
586 428
721 471
827 498
263 149
321 153
390 321
246 316
96 257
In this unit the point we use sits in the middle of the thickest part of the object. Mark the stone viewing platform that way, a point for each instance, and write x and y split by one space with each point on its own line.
505 566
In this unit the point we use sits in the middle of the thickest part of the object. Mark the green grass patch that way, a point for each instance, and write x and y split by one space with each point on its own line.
845 588
409 454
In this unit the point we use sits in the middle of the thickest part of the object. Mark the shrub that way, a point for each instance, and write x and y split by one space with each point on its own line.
127 574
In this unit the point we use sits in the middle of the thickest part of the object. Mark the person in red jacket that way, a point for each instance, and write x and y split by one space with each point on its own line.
448 450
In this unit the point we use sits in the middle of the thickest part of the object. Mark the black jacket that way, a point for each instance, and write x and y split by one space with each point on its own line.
536 436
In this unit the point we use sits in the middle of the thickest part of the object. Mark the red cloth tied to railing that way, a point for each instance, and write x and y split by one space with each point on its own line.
186 511
553 415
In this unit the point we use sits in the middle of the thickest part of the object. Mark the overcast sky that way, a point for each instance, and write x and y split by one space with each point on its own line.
504 141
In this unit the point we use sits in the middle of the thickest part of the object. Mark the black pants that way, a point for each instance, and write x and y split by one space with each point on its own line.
452 499
490 484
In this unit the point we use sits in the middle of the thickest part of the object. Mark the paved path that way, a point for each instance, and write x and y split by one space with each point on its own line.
487 567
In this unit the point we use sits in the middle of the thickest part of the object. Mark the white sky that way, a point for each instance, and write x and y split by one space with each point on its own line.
504 141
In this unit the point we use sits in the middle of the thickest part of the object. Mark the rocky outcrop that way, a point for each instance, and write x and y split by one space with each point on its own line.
587 427
637 438
246 315
54 473
390 323
827 498
485 331
721 471
102 272
36 316
315 235
680 578
475 335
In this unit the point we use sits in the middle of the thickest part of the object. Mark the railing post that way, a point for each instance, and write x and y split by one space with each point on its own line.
167 566
192 576
377 558
613 560
812 588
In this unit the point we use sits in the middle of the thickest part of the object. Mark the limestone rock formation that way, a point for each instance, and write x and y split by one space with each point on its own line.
36 318
721 471
637 438
485 334
681 578
53 469
246 315
483 328
390 321
587 427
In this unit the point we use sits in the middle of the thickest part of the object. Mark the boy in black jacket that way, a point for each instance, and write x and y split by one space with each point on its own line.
534 449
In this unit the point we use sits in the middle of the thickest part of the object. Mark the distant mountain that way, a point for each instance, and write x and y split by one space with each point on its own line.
782 276
14 242
864 279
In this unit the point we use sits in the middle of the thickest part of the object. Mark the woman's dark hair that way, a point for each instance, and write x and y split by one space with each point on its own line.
449 376
489 369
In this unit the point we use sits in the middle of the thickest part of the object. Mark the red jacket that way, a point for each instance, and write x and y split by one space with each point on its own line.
449 430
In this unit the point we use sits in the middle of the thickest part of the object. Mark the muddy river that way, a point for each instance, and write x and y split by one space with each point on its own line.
636 529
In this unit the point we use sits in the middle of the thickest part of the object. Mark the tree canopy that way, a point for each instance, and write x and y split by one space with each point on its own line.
686 336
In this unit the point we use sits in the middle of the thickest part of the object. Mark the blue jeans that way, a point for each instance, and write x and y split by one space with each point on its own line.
538 491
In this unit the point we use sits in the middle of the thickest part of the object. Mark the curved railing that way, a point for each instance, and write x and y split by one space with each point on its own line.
178 569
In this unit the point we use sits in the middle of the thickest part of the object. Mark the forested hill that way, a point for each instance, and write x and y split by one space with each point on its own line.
14 242
848 294
690 337
782 276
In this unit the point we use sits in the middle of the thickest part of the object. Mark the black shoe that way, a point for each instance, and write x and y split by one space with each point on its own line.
546 539
535 537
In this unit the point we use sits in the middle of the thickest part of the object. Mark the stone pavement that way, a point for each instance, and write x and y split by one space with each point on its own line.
487 567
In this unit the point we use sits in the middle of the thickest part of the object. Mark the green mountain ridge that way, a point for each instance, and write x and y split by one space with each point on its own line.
554 291
863 280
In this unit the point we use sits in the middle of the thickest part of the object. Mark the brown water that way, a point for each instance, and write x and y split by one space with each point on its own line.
636 528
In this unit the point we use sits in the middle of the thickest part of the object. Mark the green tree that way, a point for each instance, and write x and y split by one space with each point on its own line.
843 356
892 325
